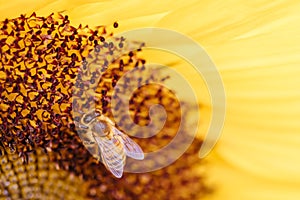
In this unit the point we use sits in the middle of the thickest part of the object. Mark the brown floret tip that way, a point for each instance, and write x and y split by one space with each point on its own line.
42 63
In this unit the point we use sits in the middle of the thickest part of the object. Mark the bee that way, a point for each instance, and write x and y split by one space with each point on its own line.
113 145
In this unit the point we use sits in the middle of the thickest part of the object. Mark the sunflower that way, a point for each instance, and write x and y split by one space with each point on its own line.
255 48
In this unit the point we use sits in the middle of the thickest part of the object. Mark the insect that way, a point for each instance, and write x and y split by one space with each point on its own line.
113 144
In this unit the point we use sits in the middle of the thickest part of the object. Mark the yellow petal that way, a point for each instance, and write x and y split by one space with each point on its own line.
256 47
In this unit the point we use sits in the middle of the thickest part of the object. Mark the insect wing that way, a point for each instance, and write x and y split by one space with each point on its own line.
132 149
112 155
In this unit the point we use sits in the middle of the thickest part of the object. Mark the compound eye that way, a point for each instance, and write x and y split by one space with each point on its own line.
90 117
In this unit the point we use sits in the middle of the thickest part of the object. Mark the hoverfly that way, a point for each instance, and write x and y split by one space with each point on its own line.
113 144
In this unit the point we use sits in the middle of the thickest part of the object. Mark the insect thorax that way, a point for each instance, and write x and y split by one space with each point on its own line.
101 128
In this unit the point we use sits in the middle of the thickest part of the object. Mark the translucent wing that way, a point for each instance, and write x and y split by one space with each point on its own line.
112 155
132 149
